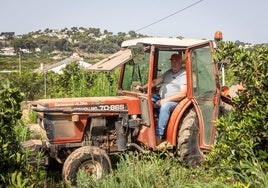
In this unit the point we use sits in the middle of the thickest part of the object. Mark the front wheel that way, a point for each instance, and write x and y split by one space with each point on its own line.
188 140
92 160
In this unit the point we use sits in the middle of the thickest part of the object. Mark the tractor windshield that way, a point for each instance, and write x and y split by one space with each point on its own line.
136 69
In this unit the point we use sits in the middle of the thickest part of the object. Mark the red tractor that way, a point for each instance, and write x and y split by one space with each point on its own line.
81 133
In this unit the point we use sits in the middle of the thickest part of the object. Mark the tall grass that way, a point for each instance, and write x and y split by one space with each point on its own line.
154 170
149 170
32 117
22 132
251 172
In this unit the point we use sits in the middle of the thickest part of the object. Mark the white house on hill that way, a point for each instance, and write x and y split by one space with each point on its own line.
57 67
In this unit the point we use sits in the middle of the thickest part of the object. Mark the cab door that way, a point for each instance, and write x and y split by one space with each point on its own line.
204 90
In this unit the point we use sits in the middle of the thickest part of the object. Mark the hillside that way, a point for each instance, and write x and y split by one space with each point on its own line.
28 51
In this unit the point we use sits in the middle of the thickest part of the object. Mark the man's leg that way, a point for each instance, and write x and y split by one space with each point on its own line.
164 114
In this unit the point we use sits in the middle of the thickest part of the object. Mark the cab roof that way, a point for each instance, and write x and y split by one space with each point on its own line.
125 54
162 41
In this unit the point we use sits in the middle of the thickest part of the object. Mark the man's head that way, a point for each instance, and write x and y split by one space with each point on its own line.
176 62
175 57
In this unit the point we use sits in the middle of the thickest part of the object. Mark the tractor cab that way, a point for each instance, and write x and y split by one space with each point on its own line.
142 60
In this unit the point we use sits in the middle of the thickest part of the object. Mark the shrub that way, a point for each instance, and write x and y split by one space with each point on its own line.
243 134
15 170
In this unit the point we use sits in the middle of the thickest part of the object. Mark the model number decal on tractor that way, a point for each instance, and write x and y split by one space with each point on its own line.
106 107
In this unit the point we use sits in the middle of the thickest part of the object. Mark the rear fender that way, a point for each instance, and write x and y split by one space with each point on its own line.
175 119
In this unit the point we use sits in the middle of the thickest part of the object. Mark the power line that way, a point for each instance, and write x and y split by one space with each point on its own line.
189 6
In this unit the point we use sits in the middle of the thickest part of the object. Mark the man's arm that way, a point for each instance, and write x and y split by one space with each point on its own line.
155 83
176 97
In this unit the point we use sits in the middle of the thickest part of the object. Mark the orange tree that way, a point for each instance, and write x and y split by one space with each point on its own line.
242 142
15 169
9 147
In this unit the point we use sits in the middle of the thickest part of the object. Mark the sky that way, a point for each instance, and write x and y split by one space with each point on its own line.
243 20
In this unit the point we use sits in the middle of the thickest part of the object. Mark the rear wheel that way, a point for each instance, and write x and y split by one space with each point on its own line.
188 141
90 159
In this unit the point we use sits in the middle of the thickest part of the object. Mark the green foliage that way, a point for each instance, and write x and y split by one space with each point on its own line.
15 170
9 63
224 56
146 170
22 132
45 43
28 83
10 105
243 134
9 114
87 39
104 84
28 62
252 172
239 158
76 82
32 117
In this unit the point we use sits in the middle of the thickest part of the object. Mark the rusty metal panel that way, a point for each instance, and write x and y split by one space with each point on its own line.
145 116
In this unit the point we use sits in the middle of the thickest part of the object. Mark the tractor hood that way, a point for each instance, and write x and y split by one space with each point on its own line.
114 104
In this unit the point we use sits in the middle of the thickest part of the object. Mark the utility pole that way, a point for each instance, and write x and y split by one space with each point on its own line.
45 80
20 62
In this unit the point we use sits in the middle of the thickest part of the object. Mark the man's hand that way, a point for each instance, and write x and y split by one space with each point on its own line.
160 102
139 88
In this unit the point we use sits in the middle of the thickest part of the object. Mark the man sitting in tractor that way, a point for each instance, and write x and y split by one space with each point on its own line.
173 90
